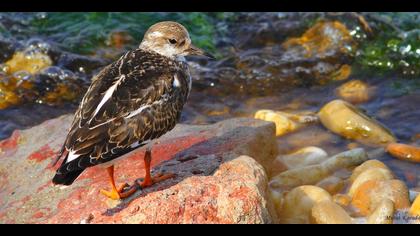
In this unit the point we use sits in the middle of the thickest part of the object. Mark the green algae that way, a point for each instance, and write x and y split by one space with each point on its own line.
395 48
85 32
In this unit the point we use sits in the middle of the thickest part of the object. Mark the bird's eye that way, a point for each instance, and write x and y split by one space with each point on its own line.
172 41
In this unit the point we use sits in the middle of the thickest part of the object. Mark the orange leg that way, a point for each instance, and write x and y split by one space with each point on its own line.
148 180
116 193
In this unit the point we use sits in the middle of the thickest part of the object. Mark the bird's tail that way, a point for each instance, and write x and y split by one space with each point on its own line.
67 178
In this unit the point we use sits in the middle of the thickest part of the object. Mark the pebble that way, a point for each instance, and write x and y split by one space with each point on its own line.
355 91
297 204
371 193
314 173
350 122
383 214
404 152
328 212
303 157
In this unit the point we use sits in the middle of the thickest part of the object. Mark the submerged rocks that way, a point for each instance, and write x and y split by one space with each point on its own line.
371 194
355 91
220 178
285 122
372 185
323 43
41 73
314 173
350 122
32 62
404 152
325 38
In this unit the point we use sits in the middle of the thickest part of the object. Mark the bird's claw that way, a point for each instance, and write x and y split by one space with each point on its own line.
119 193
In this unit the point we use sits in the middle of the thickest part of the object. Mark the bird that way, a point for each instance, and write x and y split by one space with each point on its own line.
129 103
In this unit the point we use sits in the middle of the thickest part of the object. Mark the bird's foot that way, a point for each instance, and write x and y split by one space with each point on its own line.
117 194
156 179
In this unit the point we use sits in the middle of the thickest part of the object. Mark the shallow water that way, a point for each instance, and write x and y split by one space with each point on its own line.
253 72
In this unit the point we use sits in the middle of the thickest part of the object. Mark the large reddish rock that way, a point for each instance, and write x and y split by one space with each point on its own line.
219 167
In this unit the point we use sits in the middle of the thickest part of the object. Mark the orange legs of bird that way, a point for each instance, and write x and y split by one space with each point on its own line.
148 179
116 193
119 193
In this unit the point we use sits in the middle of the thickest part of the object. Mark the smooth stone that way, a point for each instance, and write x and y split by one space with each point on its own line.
404 152
370 174
312 174
370 164
328 212
298 203
383 214
355 91
371 193
300 158
350 122
285 122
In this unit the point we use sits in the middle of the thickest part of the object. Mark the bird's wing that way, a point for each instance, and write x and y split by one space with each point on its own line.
113 116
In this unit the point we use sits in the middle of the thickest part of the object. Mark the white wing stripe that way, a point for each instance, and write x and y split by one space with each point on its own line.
108 95
176 82
72 156
138 111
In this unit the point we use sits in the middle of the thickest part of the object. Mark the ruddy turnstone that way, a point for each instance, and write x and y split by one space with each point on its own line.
129 103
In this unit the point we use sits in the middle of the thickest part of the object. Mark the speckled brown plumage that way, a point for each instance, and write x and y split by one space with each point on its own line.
145 103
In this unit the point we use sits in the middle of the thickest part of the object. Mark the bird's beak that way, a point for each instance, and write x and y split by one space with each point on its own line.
193 50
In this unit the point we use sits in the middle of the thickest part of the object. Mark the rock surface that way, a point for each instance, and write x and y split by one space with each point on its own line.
217 180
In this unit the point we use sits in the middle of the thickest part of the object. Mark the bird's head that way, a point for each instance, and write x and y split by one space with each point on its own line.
170 39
